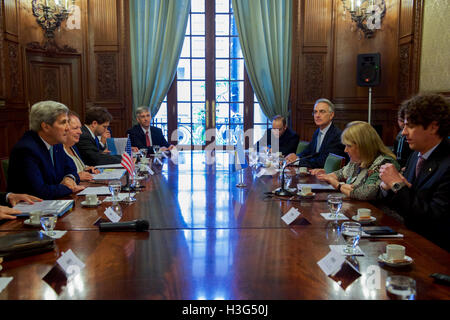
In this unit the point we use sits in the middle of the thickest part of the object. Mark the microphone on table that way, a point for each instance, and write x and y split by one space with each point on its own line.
134 225
283 191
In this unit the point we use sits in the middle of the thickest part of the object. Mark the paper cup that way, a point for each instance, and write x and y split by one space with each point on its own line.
395 252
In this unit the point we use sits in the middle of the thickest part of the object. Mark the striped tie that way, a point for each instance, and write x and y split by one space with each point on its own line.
419 165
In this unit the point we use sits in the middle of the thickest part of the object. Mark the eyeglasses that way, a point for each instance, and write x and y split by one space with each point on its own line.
319 111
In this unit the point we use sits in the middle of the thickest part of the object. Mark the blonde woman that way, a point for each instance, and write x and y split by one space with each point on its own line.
360 178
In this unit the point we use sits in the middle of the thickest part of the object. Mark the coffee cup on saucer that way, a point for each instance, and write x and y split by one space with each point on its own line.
305 190
395 252
303 170
91 199
364 214
35 217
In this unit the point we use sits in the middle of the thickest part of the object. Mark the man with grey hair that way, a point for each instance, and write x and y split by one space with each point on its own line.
145 136
326 139
38 164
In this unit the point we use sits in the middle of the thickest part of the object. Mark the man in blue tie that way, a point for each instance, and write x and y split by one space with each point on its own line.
38 164
326 139
422 195
92 152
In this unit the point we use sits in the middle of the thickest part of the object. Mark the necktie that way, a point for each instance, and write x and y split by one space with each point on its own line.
97 143
147 138
51 154
319 141
419 165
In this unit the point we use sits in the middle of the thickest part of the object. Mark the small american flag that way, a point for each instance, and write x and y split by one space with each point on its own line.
127 160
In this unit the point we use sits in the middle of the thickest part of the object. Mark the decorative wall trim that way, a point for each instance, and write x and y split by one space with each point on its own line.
313 77
107 88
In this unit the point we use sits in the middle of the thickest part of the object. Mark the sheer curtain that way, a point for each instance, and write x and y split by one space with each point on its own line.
157 29
265 35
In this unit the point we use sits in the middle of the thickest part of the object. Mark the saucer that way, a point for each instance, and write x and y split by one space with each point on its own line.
309 196
395 263
28 223
87 205
364 221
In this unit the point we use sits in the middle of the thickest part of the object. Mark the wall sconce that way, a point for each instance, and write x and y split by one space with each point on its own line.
50 13
367 14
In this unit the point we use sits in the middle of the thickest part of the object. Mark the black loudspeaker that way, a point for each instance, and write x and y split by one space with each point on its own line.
368 72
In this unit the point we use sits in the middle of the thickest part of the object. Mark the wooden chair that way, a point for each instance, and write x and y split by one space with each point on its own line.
333 163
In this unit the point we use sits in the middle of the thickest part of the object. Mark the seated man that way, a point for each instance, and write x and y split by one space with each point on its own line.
287 138
12 199
143 135
91 151
38 164
422 195
326 139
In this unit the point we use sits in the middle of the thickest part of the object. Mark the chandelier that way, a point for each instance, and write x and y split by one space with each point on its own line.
50 13
367 14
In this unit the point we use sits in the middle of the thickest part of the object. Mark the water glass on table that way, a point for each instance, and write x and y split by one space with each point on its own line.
114 188
351 231
156 149
48 222
401 287
334 204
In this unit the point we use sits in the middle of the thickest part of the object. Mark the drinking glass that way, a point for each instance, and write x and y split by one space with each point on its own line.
334 204
48 222
114 188
401 287
351 231
253 157
156 149
143 152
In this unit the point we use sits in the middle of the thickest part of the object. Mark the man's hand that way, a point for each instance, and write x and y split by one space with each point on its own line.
105 136
7 213
389 175
135 149
316 172
291 158
69 183
92 170
85 176
15 198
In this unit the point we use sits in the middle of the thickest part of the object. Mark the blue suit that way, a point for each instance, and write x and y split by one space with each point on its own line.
31 169
331 143
137 138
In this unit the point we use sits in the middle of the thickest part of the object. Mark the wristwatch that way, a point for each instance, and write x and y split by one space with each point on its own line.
397 186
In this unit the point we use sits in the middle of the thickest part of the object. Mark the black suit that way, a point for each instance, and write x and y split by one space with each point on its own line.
426 205
90 153
331 143
138 140
288 141
3 201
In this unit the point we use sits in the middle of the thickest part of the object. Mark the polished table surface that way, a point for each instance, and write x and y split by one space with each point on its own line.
209 239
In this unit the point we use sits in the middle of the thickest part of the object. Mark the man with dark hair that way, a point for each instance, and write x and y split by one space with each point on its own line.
421 196
91 151
325 140
287 138
38 164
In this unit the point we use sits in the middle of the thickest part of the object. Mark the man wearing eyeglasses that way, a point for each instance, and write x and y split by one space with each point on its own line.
326 139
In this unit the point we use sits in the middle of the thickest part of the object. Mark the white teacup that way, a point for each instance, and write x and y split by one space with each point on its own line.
303 170
364 213
304 189
35 217
395 252
91 199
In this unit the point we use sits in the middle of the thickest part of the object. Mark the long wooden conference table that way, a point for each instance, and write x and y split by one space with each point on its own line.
210 240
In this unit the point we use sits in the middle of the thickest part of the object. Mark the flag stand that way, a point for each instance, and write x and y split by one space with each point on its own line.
128 188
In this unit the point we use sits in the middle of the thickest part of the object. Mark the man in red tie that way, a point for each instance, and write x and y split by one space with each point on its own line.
422 195
143 135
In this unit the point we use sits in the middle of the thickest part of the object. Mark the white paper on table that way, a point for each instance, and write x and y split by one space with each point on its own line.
112 174
330 216
340 249
58 234
291 215
110 166
121 197
318 186
70 263
94 190
4 281
112 215
366 235
331 263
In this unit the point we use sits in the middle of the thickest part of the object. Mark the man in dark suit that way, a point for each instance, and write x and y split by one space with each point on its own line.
91 151
38 164
287 138
12 199
145 136
422 195
326 139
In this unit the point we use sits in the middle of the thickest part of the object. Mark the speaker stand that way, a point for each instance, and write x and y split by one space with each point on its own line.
370 104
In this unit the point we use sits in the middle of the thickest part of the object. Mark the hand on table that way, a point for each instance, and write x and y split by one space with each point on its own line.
15 198
7 213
